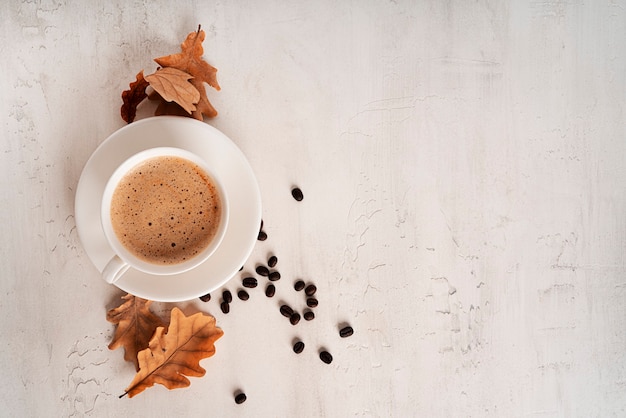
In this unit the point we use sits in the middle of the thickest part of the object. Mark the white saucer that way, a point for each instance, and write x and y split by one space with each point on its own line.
244 198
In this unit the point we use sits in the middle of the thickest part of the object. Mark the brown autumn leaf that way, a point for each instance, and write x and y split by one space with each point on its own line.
190 61
171 357
135 326
132 97
173 85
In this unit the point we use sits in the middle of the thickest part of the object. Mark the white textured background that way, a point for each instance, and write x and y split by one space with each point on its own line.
463 164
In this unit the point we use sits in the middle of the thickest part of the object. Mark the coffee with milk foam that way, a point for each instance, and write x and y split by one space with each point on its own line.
166 210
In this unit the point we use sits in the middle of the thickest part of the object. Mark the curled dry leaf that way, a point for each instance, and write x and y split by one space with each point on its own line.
132 97
173 86
135 326
190 61
171 357
176 102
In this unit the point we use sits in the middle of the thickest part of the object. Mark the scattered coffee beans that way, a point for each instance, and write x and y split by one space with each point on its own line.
298 347
206 297
227 296
294 318
297 194
249 282
286 311
270 290
326 357
240 398
263 271
225 307
346 331
310 290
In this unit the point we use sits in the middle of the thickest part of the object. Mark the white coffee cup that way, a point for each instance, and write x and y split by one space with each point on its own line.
123 258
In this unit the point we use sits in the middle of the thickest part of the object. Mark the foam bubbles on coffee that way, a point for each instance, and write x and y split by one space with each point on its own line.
165 210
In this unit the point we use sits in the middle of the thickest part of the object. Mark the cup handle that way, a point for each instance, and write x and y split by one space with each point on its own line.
114 269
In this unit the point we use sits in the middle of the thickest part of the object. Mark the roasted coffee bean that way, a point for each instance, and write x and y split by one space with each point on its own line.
286 311
263 271
299 285
270 290
206 297
243 295
346 331
326 357
309 315
274 276
272 261
297 194
311 302
249 282
298 347
227 296
225 307
240 398
262 236
294 318
310 290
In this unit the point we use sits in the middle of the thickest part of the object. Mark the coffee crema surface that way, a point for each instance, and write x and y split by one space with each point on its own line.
165 210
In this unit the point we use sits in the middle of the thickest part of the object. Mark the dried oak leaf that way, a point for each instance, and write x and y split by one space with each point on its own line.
135 326
173 86
133 96
171 357
190 61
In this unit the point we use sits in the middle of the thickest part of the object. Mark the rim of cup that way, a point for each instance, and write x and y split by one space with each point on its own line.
127 256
